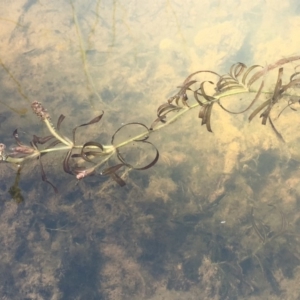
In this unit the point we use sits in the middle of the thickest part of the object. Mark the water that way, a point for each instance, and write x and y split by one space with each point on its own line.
217 217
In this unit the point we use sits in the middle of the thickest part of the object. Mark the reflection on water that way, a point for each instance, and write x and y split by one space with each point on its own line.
216 218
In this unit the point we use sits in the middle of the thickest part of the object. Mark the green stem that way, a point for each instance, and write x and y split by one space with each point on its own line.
20 160
56 134
109 150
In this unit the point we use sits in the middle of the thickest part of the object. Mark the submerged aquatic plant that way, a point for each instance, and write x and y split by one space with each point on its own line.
204 94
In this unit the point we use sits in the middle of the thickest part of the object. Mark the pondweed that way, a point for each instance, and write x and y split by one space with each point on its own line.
204 93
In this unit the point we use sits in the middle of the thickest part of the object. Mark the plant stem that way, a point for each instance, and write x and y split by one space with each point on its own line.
57 135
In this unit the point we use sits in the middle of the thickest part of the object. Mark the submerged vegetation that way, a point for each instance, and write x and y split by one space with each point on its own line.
218 215
93 158
189 228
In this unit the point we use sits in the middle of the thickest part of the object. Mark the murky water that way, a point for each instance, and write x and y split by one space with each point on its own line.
217 217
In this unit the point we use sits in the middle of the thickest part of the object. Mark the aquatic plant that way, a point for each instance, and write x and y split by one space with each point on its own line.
204 94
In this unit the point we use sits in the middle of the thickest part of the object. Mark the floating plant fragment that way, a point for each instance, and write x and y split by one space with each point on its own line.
192 93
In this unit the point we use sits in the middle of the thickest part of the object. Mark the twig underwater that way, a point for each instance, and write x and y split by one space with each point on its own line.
204 94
